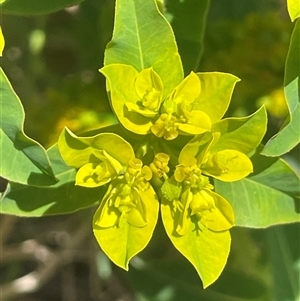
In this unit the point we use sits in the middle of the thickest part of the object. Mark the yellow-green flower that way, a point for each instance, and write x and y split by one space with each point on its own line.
196 201
159 166
98 159
126 197
202 205
139 102
203 155
108 158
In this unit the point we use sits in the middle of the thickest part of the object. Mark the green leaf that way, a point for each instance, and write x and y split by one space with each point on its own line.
215 95
123 241
78 151
241 134
35 7
206 250
289 136
23 160
285 279
269 197
63 197
293 9
171 189
188 23
143 38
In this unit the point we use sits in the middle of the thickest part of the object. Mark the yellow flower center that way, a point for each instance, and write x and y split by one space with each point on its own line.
165 126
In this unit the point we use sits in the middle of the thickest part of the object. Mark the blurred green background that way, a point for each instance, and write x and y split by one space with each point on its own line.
52 62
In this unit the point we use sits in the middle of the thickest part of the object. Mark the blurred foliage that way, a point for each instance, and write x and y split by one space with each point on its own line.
52 61
254 49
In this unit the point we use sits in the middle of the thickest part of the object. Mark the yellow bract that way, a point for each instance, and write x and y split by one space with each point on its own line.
197 199
137 99
227 165
149 88
207 208
97 174
124 198
2 41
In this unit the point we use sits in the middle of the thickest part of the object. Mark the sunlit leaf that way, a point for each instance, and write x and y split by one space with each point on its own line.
78 151
23 160
123 241
243 134
63 197
293 9
268 197
121 82
228 165
144 35
206 250
216 92
289 136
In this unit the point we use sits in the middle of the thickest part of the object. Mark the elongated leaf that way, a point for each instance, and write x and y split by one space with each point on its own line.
285 282
143 38
241 134
289 136
268 197
23 160
206 250
35 7
294 9
123 241
63 197
188 23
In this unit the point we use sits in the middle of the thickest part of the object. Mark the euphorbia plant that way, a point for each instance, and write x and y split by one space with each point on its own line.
177 156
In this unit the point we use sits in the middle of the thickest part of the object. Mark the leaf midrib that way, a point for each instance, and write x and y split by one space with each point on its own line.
138 37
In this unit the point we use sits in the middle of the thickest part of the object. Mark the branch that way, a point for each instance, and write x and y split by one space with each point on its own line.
36 279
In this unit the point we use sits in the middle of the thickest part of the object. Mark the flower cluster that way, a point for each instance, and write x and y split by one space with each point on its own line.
180 173
125 198
98 164
163 115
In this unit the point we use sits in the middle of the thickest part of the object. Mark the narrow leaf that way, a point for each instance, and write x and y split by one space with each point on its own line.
289 136
285 280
